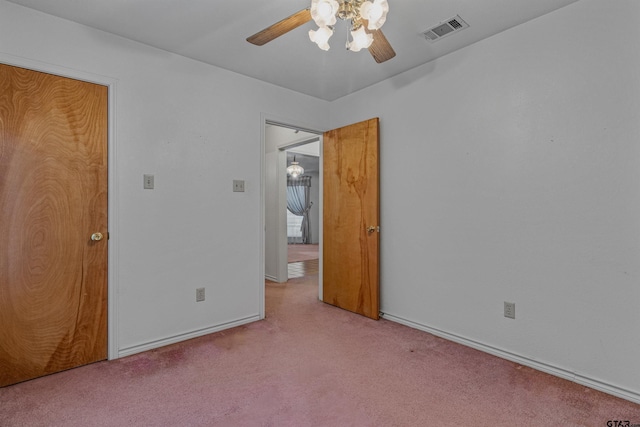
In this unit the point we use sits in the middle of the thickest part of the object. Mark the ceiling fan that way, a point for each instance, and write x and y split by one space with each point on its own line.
365 17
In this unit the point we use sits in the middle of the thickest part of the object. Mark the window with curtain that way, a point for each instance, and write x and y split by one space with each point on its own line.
294 228
299 204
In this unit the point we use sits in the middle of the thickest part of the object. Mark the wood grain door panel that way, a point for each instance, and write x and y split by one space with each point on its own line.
351 205
53 196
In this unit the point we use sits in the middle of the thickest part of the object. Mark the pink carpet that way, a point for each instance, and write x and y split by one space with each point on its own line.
297 253
309 364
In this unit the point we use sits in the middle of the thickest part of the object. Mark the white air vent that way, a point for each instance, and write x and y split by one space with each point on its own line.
445 28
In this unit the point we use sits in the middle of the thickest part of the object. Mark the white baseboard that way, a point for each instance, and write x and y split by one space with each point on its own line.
139 348
272 278
541 366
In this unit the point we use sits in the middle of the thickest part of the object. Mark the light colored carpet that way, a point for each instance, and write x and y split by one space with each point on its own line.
309 364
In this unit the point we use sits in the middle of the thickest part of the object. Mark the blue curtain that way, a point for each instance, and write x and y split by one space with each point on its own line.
299 204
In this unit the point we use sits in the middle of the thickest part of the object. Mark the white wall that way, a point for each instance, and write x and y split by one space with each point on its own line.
314 212
193 126
272 266
510 170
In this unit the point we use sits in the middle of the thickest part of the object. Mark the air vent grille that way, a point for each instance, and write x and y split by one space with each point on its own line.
455 24
445 28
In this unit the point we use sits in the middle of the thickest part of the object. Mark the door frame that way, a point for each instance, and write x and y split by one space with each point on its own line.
112 196
266 119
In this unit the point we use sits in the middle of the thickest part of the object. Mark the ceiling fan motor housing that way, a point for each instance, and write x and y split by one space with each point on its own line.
348 9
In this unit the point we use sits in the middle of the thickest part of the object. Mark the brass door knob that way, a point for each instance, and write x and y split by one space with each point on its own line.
96 237
371 229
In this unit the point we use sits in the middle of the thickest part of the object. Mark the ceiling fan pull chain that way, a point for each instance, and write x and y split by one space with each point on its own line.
347 43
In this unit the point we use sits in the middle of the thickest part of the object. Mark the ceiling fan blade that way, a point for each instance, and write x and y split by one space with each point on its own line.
381 49
280 28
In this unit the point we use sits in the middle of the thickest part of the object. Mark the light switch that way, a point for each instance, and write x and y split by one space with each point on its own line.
238 186
148 182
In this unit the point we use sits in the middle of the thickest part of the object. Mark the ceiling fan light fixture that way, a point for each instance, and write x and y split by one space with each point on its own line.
295 170
368 14
375 12
361 13
321 37
360 39
324 12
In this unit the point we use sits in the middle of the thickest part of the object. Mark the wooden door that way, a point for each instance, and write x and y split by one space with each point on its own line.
351 218
53 197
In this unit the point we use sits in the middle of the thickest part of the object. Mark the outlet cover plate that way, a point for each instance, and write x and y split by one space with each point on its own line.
148 182
199 294
238 186
510 310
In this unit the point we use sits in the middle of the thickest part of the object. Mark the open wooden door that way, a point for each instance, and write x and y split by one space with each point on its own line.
351 218
53 224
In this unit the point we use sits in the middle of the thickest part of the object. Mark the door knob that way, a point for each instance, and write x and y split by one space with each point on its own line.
371 229
96 237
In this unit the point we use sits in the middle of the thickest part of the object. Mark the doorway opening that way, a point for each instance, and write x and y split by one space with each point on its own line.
303 213
288 251
349 232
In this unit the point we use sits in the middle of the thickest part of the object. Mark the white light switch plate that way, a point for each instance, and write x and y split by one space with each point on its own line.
148 182
238 186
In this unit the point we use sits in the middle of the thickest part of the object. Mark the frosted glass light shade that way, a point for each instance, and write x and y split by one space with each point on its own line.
375 12
361 40
321 37
295 170
324 12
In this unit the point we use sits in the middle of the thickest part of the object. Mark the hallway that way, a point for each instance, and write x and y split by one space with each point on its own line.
303 260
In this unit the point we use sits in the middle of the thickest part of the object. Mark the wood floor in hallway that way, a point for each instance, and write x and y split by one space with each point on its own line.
301 252
303 268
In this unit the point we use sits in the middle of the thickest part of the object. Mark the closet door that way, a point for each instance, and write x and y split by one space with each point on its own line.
53 223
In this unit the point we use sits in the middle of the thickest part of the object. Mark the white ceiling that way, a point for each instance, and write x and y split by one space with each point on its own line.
215 32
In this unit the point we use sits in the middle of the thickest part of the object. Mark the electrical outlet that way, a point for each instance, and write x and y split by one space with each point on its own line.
148 182
510 310
238 186
199 294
